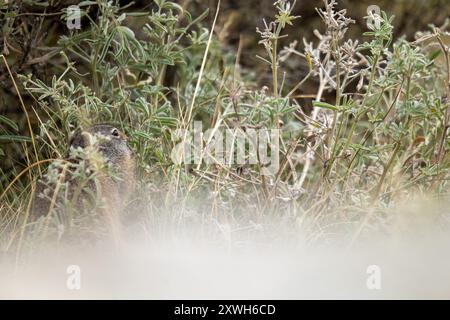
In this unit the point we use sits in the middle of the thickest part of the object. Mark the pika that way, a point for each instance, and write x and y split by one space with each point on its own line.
114 151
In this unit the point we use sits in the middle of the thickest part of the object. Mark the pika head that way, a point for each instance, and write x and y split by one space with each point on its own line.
112 143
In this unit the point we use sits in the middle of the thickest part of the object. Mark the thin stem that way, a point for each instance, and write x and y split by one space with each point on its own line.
335 118
274 66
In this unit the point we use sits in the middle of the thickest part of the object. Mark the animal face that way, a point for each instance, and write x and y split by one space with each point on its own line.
112 143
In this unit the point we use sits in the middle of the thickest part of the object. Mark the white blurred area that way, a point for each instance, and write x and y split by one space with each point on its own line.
413 259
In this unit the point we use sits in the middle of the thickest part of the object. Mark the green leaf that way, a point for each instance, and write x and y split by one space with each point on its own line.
142 134
325 105
13 138
172 5
106 46
435 54
87 3
357 147
121 17
127 32
137 14
9 123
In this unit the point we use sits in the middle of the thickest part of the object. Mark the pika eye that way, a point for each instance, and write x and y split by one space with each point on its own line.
115 132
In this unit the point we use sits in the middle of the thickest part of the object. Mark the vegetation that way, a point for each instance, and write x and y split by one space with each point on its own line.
376 137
